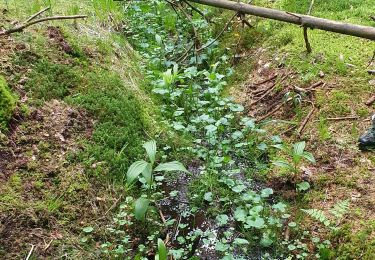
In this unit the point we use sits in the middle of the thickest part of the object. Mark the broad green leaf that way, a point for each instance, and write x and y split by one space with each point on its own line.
239 188
135 169
222 219
240 214
303 186
282 164
265 193
280 207
140 209
162 250
170 166
308 156
208 196
150 147
299 148
258 222
158 38
147 173
88 229
240 241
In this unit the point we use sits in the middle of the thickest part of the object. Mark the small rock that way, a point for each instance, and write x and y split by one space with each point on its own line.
372 82
321 74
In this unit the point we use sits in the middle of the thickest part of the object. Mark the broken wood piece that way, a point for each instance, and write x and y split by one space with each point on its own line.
305 121
21 27
315 85
370 101
343 118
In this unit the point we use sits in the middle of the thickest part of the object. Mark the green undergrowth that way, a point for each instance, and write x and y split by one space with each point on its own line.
7 104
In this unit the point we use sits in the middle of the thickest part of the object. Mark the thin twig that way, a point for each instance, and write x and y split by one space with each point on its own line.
267 80
219 35
30 252
277 108
268 91
23 26
304 122
196 35
37 14
197 10
305 35
371 60
343 118
183 56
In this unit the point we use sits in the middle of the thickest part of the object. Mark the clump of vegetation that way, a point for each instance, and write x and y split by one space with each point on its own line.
8 103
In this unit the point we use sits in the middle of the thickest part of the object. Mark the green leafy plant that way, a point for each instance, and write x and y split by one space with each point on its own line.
147 169
297 154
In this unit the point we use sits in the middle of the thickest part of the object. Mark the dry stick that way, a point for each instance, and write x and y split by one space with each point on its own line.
267 80
305 35
23 26
270 113
343 118
219 35
304 122
196 35
30 252
367 32
268 91
371 60
261 91
264 95
370 101
183 56
37 14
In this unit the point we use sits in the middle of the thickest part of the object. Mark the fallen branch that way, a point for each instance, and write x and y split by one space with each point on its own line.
361 31
277 108
305 121
21 27
267 80
37 14
266 93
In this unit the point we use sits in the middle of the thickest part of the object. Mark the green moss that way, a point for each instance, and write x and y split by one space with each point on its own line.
122 124
7 104
355 245
51 80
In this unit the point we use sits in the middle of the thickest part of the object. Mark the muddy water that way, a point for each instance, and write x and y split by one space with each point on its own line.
178 208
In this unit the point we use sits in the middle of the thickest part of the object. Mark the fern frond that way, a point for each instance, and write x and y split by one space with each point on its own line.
318 215
340 209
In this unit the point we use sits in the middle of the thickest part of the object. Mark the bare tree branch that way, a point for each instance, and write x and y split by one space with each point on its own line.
37 14
25 25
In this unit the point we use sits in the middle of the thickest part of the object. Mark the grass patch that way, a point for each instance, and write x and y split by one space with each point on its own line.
7 104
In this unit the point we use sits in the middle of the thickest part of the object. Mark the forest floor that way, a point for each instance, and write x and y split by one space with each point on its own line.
62 141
